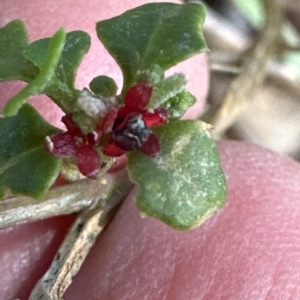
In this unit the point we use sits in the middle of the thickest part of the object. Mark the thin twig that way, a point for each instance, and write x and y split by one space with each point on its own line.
245 86
224 68
77 244
225 61
59 201
290 48
293 5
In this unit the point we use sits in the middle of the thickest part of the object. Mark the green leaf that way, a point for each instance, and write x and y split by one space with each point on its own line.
155 74
47 69
25 166
179 104
166 89
171 94
160 34
184 184
13 40
61 87
104 86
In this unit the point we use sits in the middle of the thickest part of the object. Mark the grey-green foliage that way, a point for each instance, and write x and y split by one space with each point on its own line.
160 34
184 184
25 166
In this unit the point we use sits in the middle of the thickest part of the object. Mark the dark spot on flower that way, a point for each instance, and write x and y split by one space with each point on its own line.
130 124
133 134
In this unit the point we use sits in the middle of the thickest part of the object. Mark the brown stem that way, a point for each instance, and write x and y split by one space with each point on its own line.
63 200
253 72
78 242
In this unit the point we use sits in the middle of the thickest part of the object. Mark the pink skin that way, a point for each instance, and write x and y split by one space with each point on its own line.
249 250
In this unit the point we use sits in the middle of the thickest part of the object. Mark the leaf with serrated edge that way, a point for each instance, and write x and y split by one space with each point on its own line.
167 88
13 40
25 166
160 34
61 87
38 84
184 184
179 104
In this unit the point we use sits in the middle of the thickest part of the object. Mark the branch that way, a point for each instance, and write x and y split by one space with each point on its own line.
63 200
253 73
78 242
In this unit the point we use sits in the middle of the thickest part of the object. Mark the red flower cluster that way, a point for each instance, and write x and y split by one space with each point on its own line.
74 142
129 124
124 128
